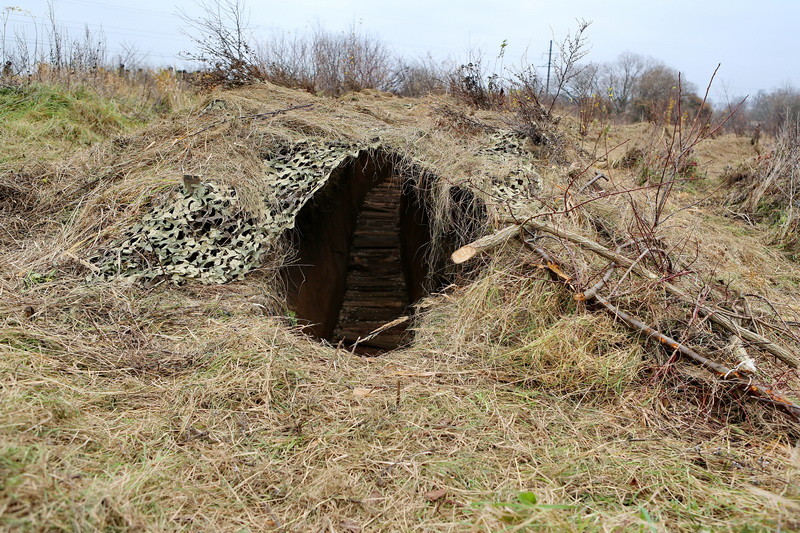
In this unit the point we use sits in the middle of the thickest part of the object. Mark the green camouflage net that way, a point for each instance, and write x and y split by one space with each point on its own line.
197 236
296 174
505 142
517 189
204 235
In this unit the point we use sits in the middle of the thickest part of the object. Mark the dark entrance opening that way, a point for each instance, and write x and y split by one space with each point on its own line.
362 246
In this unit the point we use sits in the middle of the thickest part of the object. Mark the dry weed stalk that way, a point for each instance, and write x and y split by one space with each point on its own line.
779 180
676 159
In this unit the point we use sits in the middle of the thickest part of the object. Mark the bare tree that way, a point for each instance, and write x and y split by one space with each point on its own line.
477 84
285 59
772 109
325 61
567 67
618 80
26 49
222 36
5 14
55 37
532 105
419 76
584 92
351 61
129 58
660 92
584 83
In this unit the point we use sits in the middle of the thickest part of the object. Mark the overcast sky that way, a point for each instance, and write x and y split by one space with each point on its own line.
758 43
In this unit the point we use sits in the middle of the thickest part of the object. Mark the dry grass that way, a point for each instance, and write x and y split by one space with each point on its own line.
764 188
529 332
199 408
49 117
193 410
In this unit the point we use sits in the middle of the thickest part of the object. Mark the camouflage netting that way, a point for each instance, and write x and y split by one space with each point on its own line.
519 186
204 234
296 174
201 235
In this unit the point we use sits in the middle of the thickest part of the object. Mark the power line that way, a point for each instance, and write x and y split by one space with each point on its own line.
24 20
81 25
87 3
44 45
146 33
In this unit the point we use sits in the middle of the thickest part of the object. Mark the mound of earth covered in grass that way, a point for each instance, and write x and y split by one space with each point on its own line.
131 405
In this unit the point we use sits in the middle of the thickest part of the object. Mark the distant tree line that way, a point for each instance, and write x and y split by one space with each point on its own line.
767 111
631 88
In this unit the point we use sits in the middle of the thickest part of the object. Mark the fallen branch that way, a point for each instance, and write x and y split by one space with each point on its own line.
492 241
483 244
714 315
730 375
727 374
377 331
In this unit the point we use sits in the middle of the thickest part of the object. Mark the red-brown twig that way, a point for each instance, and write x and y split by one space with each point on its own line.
713 314
727 374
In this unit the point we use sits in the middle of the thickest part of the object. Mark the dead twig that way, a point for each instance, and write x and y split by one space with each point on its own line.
377 331
786 329
242 117
715 315
727 374
731 375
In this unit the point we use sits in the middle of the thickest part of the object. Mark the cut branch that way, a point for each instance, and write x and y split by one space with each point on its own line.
715 315
484 244
730 375
727 374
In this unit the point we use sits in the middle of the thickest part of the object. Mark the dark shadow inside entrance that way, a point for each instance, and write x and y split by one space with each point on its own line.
362 246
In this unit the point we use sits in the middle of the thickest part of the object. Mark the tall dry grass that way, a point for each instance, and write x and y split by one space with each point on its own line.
764 188
202 408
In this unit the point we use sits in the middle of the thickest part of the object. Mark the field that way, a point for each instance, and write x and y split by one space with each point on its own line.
517 407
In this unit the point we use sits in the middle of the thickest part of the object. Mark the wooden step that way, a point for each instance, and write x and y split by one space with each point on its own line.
375 291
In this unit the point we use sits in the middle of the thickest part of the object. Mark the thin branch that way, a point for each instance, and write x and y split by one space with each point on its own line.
715 315
727 374
242 117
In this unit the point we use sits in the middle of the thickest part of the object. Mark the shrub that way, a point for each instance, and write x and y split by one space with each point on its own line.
767 189
221 35
473 85
420 77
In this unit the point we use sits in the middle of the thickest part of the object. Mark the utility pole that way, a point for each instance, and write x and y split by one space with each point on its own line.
549 62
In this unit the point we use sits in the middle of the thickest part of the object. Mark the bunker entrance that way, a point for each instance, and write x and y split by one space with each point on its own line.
362 247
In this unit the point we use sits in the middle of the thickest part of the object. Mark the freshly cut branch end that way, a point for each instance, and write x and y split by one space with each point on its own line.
483 244
464 254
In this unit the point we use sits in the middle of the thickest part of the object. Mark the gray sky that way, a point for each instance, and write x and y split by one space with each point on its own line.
758 43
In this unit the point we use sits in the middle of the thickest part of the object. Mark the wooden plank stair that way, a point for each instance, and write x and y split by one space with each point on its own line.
376 291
